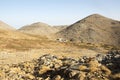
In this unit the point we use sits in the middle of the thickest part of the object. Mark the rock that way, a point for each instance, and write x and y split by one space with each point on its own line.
49 67
2 74
69 61
29 76
15 70
81 76
100 57
48 78
73 73
57 63
57 77
39 78
94 65
50 60
112 61
105 70
82 68
44 69
116 76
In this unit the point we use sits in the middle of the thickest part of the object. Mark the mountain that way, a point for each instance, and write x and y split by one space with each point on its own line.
38 28
93 29
8 32
13 40
5 26
60 27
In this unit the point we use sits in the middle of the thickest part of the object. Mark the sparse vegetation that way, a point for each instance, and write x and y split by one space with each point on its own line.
66 69
105 70
82 67
84 39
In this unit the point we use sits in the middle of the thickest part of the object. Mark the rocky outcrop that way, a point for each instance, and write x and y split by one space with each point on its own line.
50 67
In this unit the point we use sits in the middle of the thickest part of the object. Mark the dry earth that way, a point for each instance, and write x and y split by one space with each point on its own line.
20 46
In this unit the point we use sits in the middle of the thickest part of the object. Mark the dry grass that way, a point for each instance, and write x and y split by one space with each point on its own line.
23 44
16 41
82 68
82 76
2 73
110 47
105 70
44 69
35 45
116 76
93 66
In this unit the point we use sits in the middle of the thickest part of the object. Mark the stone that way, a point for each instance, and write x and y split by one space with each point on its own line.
73 73
82 68
105 70
81 76
57 77
50 67
44 69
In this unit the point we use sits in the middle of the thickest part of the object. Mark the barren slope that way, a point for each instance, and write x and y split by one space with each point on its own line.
38 29
17 47
60 27
93 29
5 26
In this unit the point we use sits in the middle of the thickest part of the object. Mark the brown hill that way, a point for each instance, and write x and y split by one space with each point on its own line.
38 28
15 41
5 26
60 27
8 32
93 29
12 39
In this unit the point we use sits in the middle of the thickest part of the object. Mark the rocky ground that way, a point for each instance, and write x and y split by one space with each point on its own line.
50 67
14 57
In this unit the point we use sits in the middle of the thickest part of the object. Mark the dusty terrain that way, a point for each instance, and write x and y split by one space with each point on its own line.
60 27
50 67
28 49
23 51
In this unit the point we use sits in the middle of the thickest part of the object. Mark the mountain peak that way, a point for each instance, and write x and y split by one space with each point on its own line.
96 16
40 23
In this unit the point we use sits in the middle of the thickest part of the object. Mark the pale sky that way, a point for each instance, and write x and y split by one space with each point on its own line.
18 13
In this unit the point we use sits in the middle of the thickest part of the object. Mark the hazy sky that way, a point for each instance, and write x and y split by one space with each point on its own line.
55 12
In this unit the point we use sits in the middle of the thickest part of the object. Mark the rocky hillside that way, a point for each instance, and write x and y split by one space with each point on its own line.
93 29
38 29
5 26
49 67
60 27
